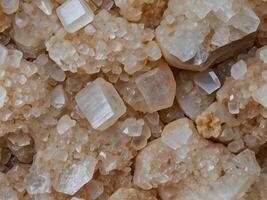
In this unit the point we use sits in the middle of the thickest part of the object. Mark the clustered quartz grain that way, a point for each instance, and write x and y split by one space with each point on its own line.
133 100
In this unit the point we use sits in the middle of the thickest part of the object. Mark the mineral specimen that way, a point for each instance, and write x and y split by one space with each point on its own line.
133 100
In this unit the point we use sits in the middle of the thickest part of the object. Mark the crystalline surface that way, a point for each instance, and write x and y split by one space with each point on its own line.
93 107
75 14
100 103
208 81
239 69
73 177
157 87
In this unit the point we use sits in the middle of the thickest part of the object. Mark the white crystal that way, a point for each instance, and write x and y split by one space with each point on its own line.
177 133
9 6
38 182
14 58
157 87
246 20
3 94
221 36
74 15
264 75
260 95
75 176
58 99
21 20
64 124
239 69
3 54
45 5
100 103
132 127
208 81
263 54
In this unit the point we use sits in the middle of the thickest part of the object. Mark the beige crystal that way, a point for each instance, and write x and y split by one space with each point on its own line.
100 103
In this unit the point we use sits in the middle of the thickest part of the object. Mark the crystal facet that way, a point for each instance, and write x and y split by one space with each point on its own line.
100 103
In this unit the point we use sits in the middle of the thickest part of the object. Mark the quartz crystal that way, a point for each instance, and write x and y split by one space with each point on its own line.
100 103
10 6
75 14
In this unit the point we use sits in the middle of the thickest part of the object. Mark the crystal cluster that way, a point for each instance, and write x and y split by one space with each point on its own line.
133 100
192 32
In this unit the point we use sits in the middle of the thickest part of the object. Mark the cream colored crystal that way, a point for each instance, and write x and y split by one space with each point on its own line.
177 133
64 124
74 15
239 69
260 95
9 6
157 88
58 98
100 103
132 194
193 39
38 183
73 177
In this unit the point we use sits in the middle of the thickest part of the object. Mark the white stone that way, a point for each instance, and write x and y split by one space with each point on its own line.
38 182
45 5
58 98
177 133
263 54
3 95
75 176
3 54
208 81
239 69
74 15
260 95
132 127
9 6
101 104
264 75
14 58
64 124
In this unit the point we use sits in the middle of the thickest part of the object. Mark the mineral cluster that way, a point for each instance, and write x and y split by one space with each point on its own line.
133 100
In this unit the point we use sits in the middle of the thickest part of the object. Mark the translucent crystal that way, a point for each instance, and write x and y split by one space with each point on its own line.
64 124
260 95
239 69
132 127
263 54
14 58
38 182
100 103
157 87
74 15
10 6
3 54
75 176
58 99
208 81
177 133
3 95
45 5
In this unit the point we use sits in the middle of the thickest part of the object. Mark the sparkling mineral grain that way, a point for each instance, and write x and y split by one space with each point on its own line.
100 103
74 15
